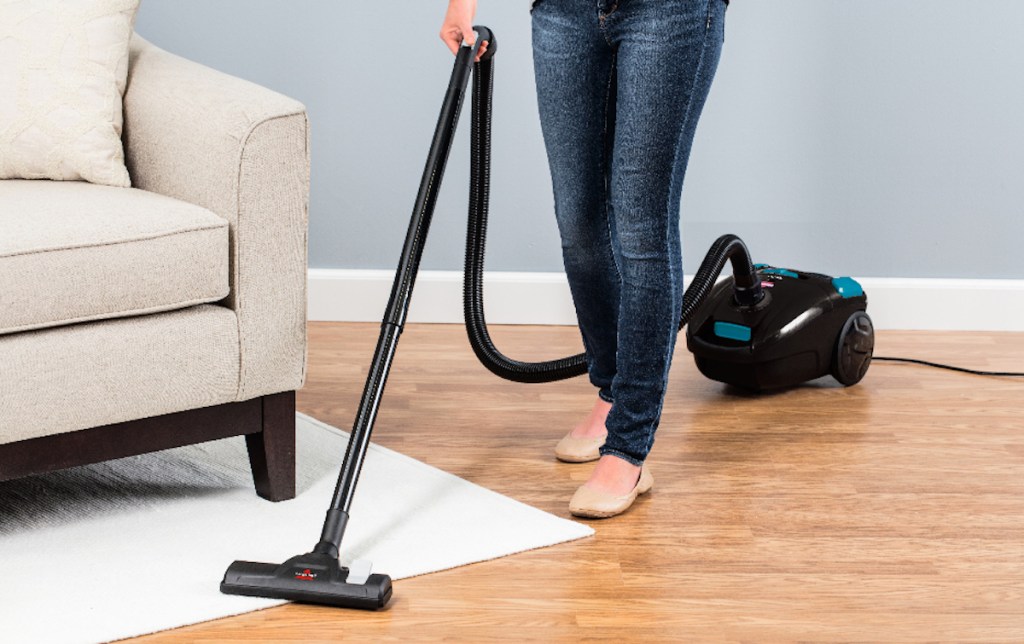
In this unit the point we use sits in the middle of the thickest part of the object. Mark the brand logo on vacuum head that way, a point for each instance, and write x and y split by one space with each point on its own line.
306 575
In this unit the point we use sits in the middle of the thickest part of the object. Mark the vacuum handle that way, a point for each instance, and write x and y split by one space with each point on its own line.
482 34
408 266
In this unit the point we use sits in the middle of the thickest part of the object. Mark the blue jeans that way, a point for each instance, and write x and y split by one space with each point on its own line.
621 85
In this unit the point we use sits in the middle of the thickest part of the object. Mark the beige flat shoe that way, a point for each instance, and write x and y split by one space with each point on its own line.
591 504
578 450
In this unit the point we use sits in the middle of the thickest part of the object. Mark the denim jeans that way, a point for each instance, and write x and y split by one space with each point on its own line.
621 85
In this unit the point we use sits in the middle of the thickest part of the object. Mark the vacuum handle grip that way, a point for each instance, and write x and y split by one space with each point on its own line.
482 34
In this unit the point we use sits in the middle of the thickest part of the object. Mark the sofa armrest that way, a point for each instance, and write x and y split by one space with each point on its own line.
241 151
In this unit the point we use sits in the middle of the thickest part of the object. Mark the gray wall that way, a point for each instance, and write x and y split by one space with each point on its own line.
867 137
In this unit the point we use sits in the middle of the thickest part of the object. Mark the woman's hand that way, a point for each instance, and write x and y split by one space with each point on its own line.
458 26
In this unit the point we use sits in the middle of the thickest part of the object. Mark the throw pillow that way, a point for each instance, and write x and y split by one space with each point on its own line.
63 69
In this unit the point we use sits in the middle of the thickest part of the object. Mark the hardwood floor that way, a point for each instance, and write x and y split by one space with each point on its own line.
890 511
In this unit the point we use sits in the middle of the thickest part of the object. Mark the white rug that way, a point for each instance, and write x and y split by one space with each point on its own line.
140 544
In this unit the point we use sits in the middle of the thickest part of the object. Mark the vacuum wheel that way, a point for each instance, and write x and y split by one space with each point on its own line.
854 348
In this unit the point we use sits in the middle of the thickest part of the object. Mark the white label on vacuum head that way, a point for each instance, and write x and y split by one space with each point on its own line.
359 571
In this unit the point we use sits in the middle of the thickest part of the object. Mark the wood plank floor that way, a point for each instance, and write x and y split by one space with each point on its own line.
890 511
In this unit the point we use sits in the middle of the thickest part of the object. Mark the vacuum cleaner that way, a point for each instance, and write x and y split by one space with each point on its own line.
761 328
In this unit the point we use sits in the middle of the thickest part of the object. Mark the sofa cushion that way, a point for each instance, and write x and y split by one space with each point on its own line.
73 251
97 373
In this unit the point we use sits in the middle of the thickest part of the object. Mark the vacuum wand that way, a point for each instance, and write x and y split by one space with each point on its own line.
401 293
317 576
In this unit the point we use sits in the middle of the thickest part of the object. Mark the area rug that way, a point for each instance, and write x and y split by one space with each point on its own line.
140 544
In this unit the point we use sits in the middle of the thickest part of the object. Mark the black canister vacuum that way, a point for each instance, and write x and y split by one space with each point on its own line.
762 328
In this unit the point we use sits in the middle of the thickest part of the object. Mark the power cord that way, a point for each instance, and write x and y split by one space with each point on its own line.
1002 374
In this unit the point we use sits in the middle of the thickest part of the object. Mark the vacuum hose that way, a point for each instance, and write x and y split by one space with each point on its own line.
727 248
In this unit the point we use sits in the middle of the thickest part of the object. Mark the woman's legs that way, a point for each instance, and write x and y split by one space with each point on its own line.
667 53
573 65
618 153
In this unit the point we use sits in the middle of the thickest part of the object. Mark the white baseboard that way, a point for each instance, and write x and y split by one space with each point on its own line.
355 295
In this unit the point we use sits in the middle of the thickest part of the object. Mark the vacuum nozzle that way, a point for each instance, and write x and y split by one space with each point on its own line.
313 578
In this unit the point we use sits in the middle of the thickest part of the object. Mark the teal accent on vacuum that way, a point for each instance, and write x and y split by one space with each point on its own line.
731 331
847 287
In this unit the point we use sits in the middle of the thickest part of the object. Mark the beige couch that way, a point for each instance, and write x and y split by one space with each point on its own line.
173 312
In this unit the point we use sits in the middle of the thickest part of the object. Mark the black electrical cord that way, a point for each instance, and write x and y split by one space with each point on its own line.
939 365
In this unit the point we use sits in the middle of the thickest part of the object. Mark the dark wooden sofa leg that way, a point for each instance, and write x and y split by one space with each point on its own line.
272 451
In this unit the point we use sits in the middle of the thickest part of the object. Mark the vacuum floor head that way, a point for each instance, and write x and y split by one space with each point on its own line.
313 577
